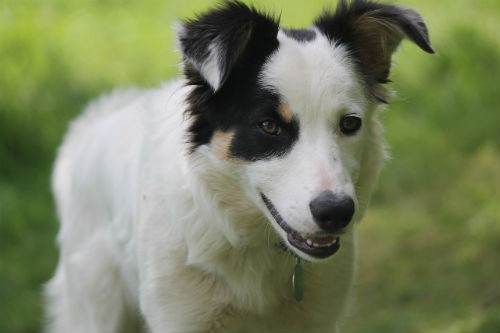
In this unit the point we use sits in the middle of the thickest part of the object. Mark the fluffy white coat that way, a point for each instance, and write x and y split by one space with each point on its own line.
155 237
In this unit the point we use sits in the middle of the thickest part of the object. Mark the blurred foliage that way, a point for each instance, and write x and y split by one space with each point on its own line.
430 246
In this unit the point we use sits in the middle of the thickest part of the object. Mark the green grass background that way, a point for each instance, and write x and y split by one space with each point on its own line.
429 258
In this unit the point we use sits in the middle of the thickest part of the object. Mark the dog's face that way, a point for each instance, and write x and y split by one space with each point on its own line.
293 111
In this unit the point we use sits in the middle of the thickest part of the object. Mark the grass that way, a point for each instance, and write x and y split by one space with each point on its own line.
430 245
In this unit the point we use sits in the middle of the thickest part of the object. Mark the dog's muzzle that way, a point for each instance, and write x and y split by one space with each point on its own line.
332 213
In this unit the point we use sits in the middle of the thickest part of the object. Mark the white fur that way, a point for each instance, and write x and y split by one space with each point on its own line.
183 242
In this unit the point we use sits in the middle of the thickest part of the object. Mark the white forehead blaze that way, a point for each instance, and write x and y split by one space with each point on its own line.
317 79
318 82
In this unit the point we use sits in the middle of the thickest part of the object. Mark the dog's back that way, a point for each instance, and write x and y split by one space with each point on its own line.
95 183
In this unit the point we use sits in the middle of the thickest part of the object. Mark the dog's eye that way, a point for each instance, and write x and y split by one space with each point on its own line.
270 127
350 124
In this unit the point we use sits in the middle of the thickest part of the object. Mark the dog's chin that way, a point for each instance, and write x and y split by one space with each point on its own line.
312 247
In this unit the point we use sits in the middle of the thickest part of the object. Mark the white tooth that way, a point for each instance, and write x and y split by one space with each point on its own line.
316 245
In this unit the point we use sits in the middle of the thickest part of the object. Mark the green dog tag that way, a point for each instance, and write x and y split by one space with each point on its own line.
298 281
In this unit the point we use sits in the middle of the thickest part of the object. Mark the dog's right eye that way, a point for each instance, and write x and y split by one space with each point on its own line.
270 127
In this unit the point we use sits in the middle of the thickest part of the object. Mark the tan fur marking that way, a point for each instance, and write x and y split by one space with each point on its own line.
221 142
285 112
377 39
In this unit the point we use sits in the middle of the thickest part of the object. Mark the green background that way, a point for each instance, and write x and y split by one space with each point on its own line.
429 258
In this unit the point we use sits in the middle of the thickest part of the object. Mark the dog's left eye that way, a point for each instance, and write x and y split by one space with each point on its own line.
350 124
270 127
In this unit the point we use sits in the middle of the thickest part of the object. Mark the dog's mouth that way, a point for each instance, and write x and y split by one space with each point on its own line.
318 245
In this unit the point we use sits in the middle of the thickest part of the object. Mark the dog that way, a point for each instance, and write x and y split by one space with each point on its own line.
226 201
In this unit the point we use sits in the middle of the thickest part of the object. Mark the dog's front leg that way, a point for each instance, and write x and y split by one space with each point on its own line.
174 296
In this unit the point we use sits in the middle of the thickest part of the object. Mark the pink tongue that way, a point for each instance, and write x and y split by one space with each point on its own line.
322 240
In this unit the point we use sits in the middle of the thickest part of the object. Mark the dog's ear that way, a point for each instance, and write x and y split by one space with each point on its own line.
372 33
214 43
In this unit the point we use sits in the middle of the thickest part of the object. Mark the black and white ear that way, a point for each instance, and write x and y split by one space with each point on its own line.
214 43
372 32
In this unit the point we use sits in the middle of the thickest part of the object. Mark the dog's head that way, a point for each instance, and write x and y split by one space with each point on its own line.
293 111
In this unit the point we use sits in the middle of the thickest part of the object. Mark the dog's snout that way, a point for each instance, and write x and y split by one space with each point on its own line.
332 212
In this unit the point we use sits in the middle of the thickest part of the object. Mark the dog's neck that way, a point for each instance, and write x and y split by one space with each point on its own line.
240 242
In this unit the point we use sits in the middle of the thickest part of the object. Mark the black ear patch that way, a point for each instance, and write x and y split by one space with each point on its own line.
215 42
224 51
372 32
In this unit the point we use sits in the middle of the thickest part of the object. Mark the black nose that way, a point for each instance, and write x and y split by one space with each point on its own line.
332 212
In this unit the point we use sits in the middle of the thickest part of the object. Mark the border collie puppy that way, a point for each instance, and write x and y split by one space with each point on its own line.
227 201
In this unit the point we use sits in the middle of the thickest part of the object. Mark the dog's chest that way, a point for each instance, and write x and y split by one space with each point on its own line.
325 292
289 316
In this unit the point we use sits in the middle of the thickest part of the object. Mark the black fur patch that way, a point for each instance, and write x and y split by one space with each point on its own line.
240 104
338 26
250 142
240 107
239 35
301 35
371 32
